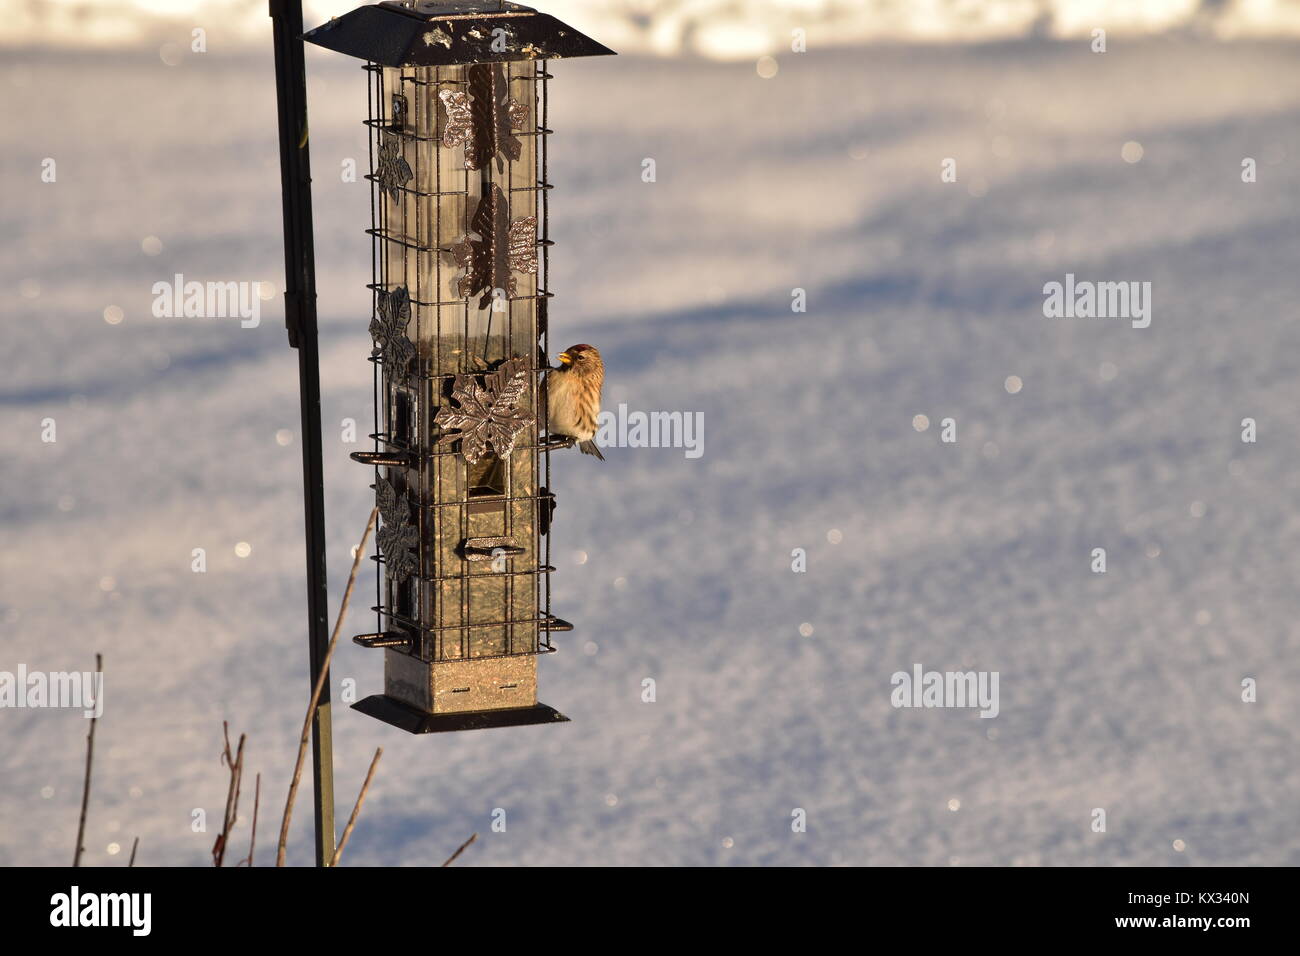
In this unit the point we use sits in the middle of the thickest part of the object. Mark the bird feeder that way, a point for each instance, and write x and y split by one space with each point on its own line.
457 130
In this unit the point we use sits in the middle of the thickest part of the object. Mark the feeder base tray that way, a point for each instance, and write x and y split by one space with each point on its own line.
413 721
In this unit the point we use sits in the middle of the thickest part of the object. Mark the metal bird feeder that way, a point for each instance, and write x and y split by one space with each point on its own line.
457 130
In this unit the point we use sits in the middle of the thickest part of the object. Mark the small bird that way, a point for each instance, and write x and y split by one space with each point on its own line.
573 396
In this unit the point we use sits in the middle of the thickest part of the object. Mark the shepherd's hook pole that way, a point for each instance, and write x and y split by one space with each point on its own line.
300 318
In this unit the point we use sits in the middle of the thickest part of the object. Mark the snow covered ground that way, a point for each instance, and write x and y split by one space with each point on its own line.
1119 691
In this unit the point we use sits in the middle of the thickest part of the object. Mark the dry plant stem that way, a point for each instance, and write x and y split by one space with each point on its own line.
85 790
461 849
314 703
257 802
361 798
236 765
134 846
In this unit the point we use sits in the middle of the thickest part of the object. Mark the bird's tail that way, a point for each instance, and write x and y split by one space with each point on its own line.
589 448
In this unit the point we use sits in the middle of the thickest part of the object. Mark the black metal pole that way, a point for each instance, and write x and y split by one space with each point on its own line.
300 318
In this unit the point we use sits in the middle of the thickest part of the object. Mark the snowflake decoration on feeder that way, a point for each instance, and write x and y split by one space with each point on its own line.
502 246
397 537
394 170
488 413
485 119
388 329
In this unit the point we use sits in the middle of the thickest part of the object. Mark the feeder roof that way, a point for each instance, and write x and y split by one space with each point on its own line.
446 32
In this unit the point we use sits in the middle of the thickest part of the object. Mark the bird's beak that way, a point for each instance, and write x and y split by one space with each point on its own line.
565 358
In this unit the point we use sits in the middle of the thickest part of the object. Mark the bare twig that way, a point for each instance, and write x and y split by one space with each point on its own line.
314 703
134 846
257 802
236 765
461 849
361 798
90 754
